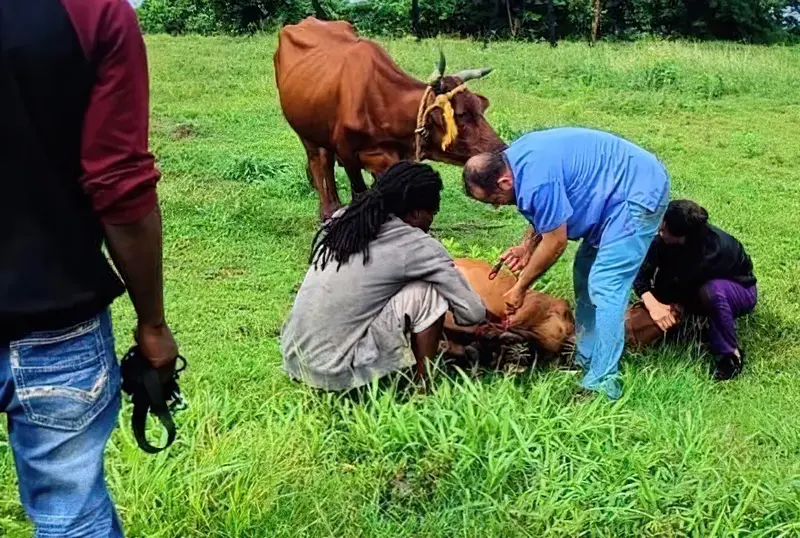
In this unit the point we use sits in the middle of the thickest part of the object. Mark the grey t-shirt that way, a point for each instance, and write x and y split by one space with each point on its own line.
324 341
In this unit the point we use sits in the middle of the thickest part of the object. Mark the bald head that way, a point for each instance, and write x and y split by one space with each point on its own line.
487 178
483 170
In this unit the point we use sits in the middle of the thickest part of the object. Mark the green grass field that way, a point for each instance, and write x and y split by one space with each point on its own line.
491 455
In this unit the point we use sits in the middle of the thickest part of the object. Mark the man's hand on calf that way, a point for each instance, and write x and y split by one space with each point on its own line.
514 298
516 258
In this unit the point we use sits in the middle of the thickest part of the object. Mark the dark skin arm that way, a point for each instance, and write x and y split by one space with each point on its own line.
551 248
136 251
425 345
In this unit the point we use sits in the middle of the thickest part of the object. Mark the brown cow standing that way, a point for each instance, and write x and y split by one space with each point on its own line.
348 101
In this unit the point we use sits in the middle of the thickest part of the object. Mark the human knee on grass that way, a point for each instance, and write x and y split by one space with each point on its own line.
420 310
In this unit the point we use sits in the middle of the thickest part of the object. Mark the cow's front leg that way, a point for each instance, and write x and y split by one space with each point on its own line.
357 185
320 168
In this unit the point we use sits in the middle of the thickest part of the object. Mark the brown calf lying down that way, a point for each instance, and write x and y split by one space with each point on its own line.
545 321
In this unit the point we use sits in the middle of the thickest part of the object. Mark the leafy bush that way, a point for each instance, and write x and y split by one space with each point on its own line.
179 16
748 20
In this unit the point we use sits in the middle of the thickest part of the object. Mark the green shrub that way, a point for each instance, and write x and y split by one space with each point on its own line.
178 16
745 20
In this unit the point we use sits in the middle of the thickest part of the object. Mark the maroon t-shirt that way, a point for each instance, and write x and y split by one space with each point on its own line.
118 171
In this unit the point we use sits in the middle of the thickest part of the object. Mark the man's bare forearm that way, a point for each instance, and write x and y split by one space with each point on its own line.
541 260
549 249
136 251
531 239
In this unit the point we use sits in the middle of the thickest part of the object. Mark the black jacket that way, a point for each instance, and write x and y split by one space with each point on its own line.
675 273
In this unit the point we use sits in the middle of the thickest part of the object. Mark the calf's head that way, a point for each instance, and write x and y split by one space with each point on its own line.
549 319
454 127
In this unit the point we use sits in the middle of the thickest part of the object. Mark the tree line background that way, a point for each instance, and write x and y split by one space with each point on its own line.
760 21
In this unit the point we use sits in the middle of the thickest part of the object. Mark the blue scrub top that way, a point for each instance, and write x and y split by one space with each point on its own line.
584 178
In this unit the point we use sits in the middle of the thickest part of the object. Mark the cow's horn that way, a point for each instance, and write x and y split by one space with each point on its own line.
471 74
438 71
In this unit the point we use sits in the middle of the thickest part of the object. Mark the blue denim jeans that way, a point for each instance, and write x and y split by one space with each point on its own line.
61 392
603 277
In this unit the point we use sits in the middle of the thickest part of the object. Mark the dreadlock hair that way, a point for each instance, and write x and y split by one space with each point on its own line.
406 186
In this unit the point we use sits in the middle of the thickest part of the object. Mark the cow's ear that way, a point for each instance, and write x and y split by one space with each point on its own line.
436 118
484 103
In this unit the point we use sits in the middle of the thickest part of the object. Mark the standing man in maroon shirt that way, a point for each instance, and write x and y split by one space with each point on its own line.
75 172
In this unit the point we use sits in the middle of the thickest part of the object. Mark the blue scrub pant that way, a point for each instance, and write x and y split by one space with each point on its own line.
603 277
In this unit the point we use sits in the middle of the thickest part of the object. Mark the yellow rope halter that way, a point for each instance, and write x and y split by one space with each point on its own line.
441 101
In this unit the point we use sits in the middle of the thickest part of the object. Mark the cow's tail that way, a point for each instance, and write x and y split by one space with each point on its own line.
319 11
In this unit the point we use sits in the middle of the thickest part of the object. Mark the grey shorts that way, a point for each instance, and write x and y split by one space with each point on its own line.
387 345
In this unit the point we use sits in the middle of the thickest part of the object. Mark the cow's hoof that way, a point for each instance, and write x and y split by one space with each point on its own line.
509 338
472 353
327 213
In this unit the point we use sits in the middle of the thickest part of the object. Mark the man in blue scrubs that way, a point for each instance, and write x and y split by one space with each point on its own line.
575 183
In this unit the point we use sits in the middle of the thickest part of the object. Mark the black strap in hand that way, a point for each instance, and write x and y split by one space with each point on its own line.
150 398
150 395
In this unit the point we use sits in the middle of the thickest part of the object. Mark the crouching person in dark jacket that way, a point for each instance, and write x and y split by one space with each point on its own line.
76 173
693 267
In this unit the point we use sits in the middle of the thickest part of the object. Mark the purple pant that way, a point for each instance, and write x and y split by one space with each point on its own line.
723 301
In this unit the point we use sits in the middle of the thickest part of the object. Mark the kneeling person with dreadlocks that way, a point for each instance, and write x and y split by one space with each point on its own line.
378 285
